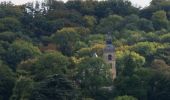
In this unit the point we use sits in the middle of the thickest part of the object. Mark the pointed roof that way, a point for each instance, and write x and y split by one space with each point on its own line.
108 38
109 46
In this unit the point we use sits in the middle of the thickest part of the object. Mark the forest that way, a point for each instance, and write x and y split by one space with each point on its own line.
47 50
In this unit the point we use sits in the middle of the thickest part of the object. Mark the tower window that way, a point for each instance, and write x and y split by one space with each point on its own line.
109 57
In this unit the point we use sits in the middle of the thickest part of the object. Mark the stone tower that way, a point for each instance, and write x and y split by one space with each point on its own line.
109 55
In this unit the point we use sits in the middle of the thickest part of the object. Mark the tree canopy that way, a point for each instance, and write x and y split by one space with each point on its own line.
53 50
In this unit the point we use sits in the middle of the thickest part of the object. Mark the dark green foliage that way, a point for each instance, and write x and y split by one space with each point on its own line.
160 20
165 38
92 75
10 24
147 49
164 54
23 88
157 90
120 7
7 80
8 10
55 87
125 98
48 64
20 51
66 39
8 36
136 85
51 49
111 23
146 25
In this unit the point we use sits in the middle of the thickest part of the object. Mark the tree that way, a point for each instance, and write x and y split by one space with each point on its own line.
95 39
87 7
56 87
89 51
128 62
57 5
3 49
47 64
145 24
66 39
133 36
157 2
119 7
71 18
8 36
9 10
125 98
163 53
110 24
160 20
20 50
23 88
90 21
147 49
160 85
131 22
92 75
165 38
159 65
7 81
137 85
84 52
151 37
11 24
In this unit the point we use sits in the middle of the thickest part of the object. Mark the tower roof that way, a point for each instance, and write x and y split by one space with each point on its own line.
108 39
109 46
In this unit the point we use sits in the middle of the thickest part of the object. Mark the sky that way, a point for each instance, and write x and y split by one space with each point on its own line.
141 3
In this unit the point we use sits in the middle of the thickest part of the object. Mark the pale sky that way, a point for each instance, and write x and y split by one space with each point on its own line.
141 3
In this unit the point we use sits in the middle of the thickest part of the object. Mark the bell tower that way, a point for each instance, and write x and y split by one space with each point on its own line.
109 55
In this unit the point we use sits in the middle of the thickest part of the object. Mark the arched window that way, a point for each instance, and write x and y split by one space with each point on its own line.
109 57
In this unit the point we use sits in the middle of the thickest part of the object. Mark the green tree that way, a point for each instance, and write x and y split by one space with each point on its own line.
49 63
3 49
137 85
119 7
133 36
160 20
19 51
23 88
131 22
90 21
55 87
66 39
11 24
92 75
8 36
159 64
84 52
160 84
125 98
151 37
165 38
147 49
163 53
9 10
110 24
7 81
157 2
129 62
145 24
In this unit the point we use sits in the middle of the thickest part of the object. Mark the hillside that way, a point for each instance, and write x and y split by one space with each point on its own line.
47 50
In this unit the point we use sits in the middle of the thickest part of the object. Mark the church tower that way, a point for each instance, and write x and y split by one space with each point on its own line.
109 55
